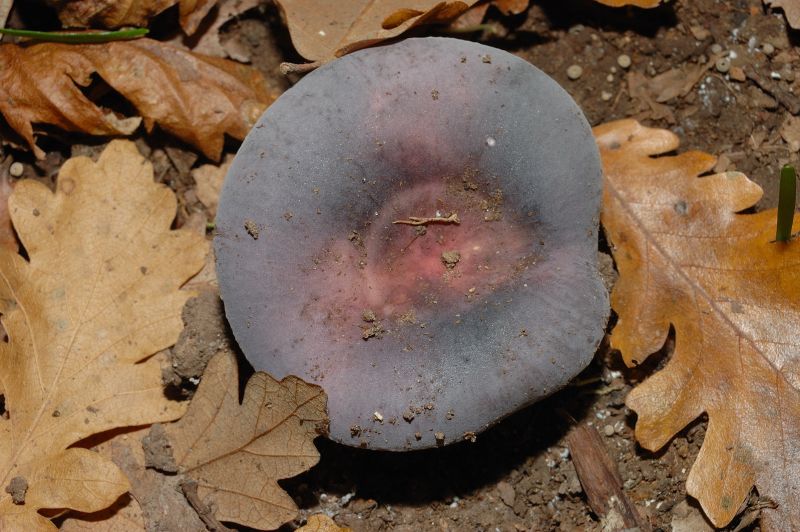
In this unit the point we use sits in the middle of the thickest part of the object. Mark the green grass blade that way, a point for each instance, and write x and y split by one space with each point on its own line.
77 37
786 203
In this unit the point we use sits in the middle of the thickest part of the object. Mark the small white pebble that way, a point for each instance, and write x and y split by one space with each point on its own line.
605 96
16 169
775 75
610 78
624 61
768 49
490 141
574 71
723 65
608 430
716 48
378 417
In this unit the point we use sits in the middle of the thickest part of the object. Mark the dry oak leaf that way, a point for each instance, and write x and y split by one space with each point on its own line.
118 13
475 14
198 99
322 523
687 259
791 8
636 3
237 452
99 295
322 31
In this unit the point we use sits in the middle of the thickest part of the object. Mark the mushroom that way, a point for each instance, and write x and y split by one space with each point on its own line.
414 228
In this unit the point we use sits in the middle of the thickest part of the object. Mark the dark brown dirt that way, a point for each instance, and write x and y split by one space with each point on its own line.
519 475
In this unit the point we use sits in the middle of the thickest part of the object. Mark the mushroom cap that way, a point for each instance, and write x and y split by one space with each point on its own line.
421 335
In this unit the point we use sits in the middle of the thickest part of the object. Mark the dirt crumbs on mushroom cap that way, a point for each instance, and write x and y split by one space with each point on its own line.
426 233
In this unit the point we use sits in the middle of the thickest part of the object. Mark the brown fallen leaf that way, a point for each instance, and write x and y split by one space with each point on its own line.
475 14
209 179
125 513
236 452
322 31
119 13
687 259
791 9
322 523
637 3
99 296
206 40
198 99
8 238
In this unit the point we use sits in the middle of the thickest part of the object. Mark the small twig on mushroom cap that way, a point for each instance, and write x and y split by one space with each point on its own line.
416 220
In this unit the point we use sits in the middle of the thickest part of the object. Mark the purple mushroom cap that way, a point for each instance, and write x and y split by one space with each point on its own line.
414 228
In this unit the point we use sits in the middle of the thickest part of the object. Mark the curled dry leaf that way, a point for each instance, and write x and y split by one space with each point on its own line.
198 99
99 296
237 452
791 8
322 31
687 259
118 13
475 14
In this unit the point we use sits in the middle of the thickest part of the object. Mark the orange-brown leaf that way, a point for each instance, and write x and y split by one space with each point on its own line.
198 99
118 13
687 259
510 7
322 31
98 296
237 452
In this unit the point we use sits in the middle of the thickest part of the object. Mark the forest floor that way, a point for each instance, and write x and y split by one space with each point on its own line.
723 75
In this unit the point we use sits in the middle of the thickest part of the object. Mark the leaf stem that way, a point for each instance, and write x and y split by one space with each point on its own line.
786 203
77 37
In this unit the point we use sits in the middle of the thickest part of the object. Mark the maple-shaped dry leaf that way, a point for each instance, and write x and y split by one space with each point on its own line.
99 295
322 31
119 13
791 8
198 99
238 452
687 259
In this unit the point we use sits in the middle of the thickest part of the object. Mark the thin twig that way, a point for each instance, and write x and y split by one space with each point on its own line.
298 68
416 220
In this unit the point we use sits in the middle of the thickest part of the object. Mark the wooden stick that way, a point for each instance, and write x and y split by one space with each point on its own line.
600 478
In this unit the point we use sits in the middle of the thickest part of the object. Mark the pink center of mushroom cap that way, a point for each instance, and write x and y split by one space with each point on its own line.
453 245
